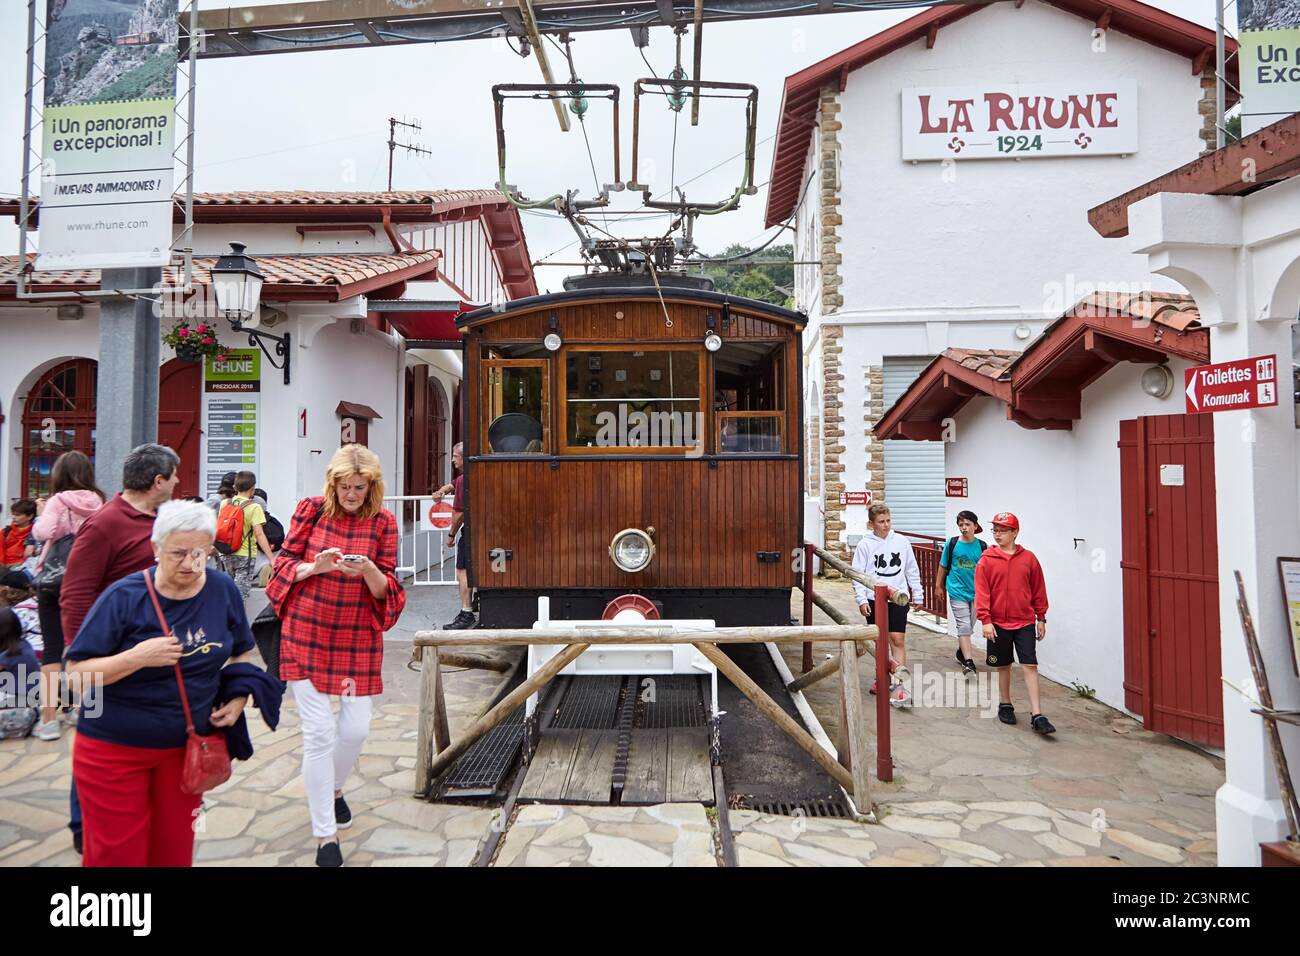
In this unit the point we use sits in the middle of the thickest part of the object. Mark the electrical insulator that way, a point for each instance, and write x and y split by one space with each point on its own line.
677 98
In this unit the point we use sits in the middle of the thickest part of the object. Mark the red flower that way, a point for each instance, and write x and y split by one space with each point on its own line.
182 331
208 340
221 358
202 328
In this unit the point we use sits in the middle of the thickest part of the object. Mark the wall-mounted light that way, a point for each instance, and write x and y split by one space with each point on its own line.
1158 381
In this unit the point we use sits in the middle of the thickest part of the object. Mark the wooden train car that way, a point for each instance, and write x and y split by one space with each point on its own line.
619 442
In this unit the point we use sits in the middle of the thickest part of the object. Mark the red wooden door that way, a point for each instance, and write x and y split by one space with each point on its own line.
1171 576
180 397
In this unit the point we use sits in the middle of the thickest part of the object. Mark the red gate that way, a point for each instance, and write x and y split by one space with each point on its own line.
1171 576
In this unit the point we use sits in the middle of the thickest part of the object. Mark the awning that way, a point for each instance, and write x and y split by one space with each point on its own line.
426 320
356 410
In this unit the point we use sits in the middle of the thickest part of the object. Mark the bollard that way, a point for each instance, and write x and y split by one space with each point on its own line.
884 759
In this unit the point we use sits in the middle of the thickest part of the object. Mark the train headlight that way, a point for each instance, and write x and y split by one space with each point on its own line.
632 550
553 341
712 341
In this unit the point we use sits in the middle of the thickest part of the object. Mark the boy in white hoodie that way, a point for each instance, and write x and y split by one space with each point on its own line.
887 556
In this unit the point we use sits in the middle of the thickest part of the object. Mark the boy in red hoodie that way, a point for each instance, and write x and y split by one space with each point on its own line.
1011 603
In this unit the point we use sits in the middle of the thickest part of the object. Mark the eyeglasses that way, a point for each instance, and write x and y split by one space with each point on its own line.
177 556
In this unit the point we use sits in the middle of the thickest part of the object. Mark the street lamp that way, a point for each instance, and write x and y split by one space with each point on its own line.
237 285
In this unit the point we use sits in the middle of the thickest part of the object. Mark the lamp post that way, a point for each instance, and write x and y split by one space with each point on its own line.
237 285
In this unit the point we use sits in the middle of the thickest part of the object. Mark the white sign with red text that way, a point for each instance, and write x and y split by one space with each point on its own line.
1017 120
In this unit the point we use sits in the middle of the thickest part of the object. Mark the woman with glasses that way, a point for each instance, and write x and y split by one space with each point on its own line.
131 731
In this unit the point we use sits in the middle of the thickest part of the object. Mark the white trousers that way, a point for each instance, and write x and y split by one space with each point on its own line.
330 747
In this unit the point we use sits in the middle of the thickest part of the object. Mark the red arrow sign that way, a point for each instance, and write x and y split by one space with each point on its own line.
1231 386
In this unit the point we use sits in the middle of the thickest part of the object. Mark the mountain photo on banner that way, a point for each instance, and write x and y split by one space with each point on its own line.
99 51
763 280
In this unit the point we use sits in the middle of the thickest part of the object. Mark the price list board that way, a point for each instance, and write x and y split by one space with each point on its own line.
231 416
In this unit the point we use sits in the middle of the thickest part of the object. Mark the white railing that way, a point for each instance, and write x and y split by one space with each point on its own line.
422 553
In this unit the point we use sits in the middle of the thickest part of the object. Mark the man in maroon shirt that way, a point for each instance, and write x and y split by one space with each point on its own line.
112 543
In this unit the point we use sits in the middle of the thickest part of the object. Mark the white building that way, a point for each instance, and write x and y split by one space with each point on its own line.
922 172
367 287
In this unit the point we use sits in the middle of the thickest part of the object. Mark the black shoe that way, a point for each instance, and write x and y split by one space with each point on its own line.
968 666
342 815
329 854
961 658
1042 724
1006 713
76 841
461 622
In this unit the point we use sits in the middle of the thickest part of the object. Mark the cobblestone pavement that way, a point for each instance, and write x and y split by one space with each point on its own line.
967 791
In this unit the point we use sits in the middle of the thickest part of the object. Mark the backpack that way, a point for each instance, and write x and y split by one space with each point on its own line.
952 543
230 528
274 532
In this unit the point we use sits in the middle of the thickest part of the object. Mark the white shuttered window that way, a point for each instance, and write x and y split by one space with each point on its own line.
913 469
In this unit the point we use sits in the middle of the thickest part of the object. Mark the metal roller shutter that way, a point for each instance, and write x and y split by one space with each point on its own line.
913 469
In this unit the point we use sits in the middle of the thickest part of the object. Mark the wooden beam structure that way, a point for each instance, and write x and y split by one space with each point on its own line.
618 634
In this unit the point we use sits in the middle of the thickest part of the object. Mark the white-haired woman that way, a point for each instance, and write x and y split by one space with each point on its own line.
130 744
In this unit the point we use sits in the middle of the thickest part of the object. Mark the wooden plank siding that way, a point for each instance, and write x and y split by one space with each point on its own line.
709 524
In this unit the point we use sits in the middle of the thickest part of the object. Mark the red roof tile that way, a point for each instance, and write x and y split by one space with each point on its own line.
287 277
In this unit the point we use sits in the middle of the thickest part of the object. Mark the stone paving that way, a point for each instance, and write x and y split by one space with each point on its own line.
967 791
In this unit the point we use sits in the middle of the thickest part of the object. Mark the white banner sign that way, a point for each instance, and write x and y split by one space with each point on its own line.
108 134
1269 37
1017 120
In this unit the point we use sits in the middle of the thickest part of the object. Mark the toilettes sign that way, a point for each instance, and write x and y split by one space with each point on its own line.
1018 120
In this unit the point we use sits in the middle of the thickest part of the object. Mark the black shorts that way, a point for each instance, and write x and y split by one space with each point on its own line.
1023 639
462 550
897 617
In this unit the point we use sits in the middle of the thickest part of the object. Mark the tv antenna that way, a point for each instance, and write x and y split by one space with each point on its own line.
393 144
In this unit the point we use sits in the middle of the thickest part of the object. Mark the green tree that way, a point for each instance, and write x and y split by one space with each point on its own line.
765 280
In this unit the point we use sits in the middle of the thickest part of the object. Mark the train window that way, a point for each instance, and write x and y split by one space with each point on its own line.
626 398
516 406
749 398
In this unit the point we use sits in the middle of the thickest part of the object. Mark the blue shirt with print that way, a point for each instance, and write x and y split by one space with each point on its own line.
959 560
144 709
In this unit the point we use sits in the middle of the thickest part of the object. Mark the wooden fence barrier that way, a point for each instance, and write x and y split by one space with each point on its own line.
435 751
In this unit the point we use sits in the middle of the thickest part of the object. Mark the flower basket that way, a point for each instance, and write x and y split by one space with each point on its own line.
194 343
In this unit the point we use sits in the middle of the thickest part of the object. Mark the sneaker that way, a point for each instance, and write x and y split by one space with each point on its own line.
342 815
329 854
968 666
961 658
47 729
1041 724
461 622
899 697
69 717
1006 713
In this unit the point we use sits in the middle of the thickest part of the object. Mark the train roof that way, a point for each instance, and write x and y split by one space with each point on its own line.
635 293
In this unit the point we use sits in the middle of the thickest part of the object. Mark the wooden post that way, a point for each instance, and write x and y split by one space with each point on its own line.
441 730
474 662
851 708
808 604
633 634
884 759
424 742
505 708
773 712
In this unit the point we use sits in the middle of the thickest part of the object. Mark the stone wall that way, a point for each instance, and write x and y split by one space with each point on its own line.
832 432
1207 108
828 127
832 420
873 408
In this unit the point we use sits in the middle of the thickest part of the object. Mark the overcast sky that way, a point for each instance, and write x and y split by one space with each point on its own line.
318 120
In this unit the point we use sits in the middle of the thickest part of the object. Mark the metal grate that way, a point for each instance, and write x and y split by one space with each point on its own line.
675 701
484 766
833 808
589 703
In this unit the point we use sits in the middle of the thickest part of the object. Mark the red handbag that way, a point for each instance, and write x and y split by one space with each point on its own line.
207 759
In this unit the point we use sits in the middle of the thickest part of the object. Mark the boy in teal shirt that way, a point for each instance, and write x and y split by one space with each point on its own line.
957 573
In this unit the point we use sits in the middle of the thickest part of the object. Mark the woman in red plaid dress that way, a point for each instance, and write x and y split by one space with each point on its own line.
335 593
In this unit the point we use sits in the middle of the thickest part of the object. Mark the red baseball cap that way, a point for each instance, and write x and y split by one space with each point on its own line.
1007 520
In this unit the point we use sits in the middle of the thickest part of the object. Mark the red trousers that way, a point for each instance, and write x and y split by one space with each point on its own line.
133 809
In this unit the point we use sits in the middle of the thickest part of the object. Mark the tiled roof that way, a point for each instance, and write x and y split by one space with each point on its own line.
283 274
312 197
991 363
1172 309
